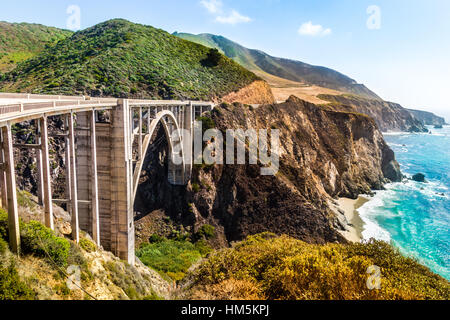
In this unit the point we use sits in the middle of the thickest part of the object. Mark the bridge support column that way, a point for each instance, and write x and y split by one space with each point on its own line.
104 144
87 174
73 180
46 178
122 219
13 213
40 170
188 120
4 198
94 181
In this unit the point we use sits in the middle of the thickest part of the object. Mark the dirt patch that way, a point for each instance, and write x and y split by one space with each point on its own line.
282 89
258 92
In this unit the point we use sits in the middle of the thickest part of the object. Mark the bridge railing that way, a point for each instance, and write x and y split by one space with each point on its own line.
17 110
29 96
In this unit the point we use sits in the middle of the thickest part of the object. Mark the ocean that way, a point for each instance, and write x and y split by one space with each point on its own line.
415 217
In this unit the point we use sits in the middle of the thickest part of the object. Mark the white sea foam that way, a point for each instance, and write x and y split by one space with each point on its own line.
368 212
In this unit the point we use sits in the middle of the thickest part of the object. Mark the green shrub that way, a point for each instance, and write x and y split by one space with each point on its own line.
87 245
169 257
203 247
3 246
11 287
154 238
206 231
213 58
41 241
207 123
3 225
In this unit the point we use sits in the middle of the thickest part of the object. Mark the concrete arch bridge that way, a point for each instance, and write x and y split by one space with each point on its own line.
103 158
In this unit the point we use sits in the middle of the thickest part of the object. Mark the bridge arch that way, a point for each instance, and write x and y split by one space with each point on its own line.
174 136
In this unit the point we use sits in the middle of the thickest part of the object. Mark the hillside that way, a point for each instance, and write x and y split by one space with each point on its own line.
21 41
428 118
123 59
264 64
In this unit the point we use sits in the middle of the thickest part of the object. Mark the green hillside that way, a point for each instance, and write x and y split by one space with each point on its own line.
123 59
261 62
21 41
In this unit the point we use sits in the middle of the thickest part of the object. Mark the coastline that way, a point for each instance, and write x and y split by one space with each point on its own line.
355 225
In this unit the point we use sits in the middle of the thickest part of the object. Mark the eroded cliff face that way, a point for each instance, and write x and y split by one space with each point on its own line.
389 116
258 92
324 154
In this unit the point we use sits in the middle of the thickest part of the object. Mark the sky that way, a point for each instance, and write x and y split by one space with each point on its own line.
400 49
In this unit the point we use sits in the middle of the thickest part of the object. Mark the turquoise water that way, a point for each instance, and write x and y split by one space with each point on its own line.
415 217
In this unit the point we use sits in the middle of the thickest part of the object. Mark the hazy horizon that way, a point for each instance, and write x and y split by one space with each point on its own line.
394 48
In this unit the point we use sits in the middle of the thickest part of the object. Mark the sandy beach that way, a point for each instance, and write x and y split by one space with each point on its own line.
356 224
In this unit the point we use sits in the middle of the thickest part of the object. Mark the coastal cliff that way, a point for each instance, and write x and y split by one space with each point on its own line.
389 116
324 154
428 118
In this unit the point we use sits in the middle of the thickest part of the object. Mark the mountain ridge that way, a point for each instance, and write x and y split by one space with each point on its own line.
259 61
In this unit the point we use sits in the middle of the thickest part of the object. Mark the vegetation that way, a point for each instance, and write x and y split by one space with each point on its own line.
172 258
11 287
3 225
24 200
206 231
122 59
42 241
22 41
87 245
269 267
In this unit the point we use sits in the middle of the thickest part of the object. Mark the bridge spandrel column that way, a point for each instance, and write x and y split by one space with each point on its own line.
40 170
73 181
104 160
47 180
83 165
188 138
3 190
13 213
122 220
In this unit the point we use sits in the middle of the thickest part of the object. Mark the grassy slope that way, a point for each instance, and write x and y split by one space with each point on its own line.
120 58
269 267
39 272
21 41
261 62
